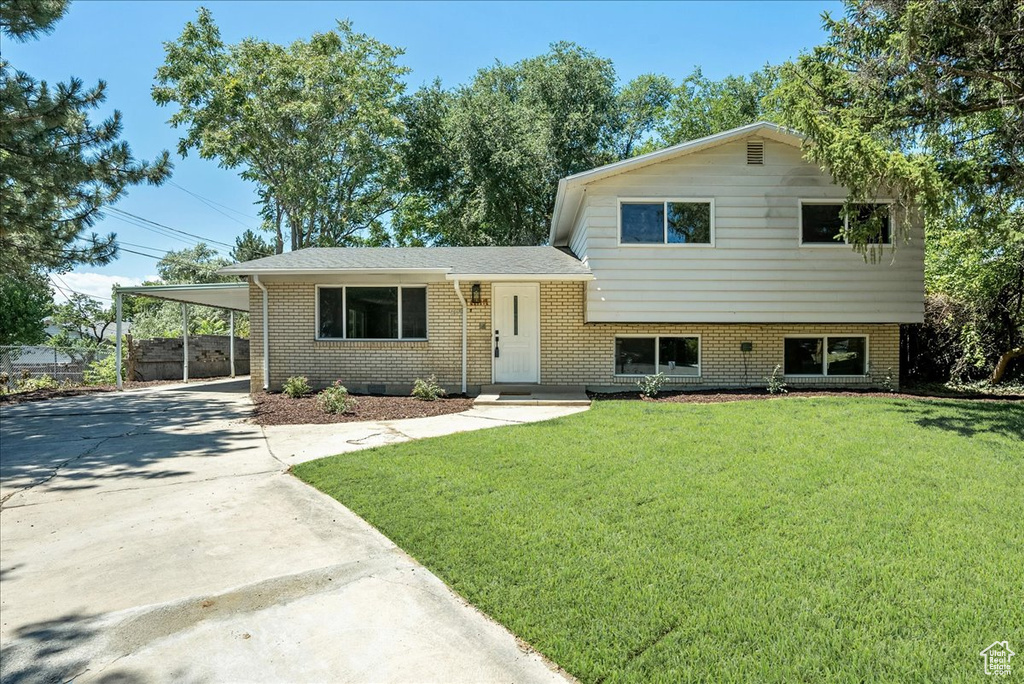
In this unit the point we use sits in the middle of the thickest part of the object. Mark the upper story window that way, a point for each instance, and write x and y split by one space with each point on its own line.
666 222
822 223
371 313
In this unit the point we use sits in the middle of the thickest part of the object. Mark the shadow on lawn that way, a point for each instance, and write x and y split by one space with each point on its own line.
969 418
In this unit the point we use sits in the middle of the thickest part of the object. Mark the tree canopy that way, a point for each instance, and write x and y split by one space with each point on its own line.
26 299
923 100
58 169
313 124
484 159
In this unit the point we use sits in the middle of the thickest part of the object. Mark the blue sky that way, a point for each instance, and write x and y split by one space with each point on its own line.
121 43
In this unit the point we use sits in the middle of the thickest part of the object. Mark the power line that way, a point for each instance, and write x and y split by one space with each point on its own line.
68 289
210 203
160 225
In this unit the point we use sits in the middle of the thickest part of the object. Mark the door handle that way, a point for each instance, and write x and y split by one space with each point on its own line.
497 351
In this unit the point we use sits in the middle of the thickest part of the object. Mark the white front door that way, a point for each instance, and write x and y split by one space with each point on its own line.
515 317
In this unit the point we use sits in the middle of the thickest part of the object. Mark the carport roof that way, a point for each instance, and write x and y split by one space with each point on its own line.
234 296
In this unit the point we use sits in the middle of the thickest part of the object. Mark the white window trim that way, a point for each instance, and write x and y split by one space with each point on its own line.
846 223
824 356
344 314
664 229
657 353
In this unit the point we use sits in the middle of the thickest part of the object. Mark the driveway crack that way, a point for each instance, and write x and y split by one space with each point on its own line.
91 450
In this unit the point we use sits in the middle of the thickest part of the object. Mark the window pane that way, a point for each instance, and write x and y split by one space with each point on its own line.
846 355
414 312
689 222
678 355
643 223
821 223
876 218
803 356
373 313
634 355
331 308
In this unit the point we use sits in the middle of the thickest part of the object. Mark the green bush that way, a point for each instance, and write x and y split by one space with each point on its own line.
335 399
28 384
427 390
650 385
102 372
296 386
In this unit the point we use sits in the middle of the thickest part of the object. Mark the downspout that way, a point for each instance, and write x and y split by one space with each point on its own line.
266 334
462 300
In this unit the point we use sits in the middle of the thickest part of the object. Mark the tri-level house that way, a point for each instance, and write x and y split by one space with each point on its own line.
712 262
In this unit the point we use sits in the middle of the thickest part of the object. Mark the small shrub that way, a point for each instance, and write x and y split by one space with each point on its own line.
650 385
296 386
888 381
102 372
775 383
335 399
427 390
28 384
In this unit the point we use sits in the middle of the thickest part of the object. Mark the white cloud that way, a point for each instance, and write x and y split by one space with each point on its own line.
96 285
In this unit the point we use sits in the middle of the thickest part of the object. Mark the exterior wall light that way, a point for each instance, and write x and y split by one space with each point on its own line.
475 293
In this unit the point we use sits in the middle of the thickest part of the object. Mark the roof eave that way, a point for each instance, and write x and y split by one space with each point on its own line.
230 270
521 277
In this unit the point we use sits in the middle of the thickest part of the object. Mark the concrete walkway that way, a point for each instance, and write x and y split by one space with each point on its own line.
298 443
153 536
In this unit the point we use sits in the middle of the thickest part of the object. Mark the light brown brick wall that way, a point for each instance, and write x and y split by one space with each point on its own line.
572 352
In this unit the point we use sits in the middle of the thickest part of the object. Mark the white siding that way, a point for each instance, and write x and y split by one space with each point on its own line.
757 271
578 237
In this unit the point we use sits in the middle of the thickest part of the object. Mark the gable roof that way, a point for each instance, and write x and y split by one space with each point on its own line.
571 188
452 262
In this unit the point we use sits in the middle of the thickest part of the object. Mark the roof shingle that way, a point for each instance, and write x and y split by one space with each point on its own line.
540 261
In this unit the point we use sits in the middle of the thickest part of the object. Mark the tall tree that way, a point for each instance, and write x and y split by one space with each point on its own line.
487 157
314 124
702 107
923 100
26 300
249 246
642 107
58 169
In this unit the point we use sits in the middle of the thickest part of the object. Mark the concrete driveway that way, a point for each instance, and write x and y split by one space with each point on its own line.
153 536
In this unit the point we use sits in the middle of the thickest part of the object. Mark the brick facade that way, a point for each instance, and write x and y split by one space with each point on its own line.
572 352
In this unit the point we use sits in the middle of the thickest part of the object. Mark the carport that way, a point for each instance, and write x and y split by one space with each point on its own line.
230 296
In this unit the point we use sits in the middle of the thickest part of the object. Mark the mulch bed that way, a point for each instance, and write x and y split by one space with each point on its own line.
77 390
278 409
719 396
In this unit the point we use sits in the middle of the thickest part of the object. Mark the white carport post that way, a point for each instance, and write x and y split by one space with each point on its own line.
184 339
231 340
117 343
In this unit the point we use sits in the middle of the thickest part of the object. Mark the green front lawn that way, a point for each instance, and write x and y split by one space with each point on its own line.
790 540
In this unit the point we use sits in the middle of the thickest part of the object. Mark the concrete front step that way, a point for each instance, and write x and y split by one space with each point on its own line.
532 395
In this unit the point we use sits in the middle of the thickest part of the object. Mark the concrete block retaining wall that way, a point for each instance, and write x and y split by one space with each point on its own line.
161 358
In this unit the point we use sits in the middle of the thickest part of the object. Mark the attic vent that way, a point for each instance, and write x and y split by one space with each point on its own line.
755 152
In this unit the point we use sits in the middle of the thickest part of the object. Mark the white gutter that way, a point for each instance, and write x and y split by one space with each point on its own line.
462 300
521 277
266 333
233 270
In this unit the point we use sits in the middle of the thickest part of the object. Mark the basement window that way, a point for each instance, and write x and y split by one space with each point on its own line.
671 355
826 355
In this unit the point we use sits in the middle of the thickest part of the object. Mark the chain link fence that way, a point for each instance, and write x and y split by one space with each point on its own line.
63 364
